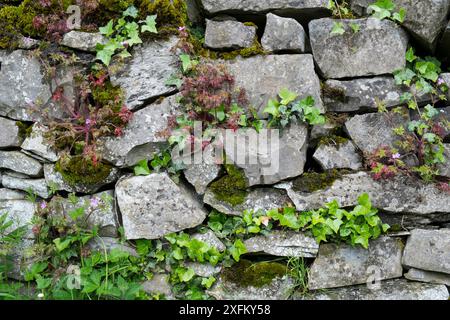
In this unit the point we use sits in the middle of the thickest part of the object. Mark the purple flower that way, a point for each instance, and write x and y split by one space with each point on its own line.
43 205
396 156
95 203
440 82
181 28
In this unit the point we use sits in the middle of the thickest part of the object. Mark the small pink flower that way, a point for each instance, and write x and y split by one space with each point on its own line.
181 28
396 156
95 203
43 205
440 82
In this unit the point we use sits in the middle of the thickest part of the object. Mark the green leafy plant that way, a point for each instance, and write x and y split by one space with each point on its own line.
123 34
289 108
423 137
384 9
299 271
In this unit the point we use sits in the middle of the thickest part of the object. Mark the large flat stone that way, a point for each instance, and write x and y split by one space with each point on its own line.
21 85
21 163
425 19
428 276
143 78
263 77
374 130
344 265
82 40
263 199
311 8
228 35
402 194
378 48
338 156
284 244
428 250
397 289
153 206
142 136
37 186
37 144
366 94
268 156
283 34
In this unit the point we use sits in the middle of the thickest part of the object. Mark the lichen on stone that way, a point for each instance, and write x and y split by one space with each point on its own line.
231 188
246 274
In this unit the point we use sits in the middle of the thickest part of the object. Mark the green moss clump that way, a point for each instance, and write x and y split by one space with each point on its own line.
313 181
332 140
16 22
108 95
246 273
171 14
78 170
231 188
254 50
24 129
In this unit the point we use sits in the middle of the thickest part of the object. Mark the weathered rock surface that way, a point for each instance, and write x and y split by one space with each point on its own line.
400 195
204 270
365 94
159 284
279 289
374 130
263 199
55 179
21 163
428 250
9 133
200 175
82 40
210 238
284 244
424 19
444 43
143 77
428 276
37 186
313 8
38 145
100 211
398 289
20 212
153 206
283 34
228 34
338 156
344 265
8 194
21 85
378 48
143 135
263 77
273 157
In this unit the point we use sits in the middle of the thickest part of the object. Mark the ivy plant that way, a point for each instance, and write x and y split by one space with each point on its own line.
123 34
289 108
385 9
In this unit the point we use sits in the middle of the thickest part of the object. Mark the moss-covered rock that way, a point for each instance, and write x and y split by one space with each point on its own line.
313 181
231 188
78 170
245 273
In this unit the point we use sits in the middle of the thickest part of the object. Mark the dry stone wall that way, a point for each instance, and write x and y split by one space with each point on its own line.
349 75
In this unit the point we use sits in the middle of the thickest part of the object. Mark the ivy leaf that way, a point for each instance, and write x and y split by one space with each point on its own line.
142 169
287 96
105 56
107 30
382 9
338 29
272 108
355 27
399 16
131 12
187 63
150 24
410 56
237 250
208 282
